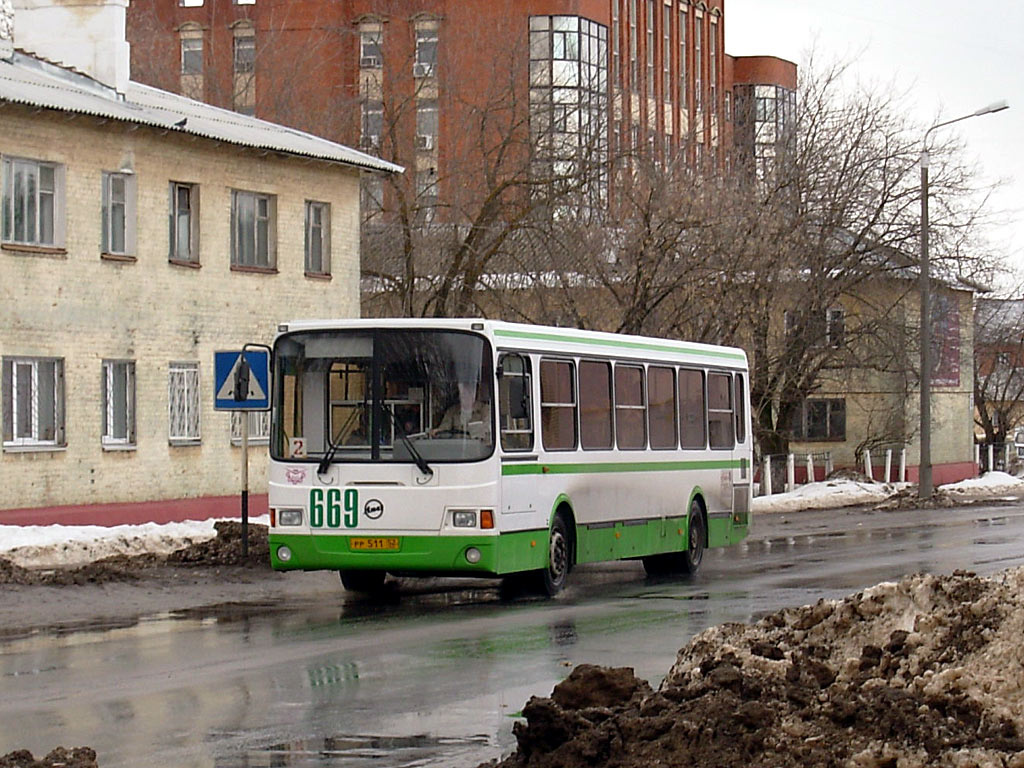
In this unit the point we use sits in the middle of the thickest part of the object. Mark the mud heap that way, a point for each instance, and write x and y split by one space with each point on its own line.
224 549
927 671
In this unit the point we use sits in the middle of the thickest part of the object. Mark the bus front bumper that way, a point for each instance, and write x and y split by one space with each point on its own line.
469 555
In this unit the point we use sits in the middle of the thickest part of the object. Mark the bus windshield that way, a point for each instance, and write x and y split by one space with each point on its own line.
383 396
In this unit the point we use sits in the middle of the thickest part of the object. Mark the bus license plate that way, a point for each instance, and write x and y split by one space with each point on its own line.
375 543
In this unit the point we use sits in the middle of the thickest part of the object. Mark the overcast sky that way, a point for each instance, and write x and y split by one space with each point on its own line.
952 57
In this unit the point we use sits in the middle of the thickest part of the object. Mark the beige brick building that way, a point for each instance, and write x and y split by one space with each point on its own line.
140 232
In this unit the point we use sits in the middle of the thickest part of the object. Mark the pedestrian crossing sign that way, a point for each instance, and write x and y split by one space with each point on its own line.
241 380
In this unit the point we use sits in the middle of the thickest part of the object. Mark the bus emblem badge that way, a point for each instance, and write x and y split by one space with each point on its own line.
373 509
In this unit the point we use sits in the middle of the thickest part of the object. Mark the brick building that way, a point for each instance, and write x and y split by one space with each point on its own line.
140 231
403 79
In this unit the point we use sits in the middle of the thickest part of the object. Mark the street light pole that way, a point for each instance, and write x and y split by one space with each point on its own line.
924 482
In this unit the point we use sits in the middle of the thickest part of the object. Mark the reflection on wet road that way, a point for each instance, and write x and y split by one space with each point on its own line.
436 675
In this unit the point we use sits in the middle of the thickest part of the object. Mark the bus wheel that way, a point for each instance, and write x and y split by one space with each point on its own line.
362 581
687 561
552 578
698 533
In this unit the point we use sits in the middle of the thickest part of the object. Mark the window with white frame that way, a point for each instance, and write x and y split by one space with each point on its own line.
33 198
183 403
370 49
192 55
318 238
259 427
373 124
118 193
426 124
425 64
252 229
245 2
245 52
184 222
118 403
191 3
33 402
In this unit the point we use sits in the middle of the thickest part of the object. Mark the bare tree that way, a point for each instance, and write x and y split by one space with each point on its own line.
999 367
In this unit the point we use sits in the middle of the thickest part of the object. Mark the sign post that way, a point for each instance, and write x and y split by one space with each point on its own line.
242 383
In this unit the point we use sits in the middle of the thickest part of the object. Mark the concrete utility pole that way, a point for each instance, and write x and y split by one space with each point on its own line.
924 483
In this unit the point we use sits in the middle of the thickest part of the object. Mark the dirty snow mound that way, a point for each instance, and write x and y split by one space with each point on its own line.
924 672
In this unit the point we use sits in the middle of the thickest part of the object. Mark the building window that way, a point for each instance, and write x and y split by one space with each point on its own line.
426 52
569 100
634 67
252 230
373 124
370 49
318 238
682 59
822 329
616 53
245 53
426 124
371 196
184 222
183 403
426 195
191 3
118 214
245 2
713 66
33 401
192 55
666 53
259 427
118 403
819 420
33 198
698 52
650 48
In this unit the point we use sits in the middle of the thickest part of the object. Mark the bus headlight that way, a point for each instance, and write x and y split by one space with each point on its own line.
289 516
472 555
464 518
284 554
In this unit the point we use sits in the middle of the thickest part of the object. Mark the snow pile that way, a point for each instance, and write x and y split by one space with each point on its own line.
989 484
924 672
48 546
829 494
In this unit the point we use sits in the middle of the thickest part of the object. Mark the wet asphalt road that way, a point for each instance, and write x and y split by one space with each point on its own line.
436 675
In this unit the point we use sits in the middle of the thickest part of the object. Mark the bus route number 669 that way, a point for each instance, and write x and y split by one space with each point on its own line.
329 507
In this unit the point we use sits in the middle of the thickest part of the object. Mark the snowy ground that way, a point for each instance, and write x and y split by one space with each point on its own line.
60 545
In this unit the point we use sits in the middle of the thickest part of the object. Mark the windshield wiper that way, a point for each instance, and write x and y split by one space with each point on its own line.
420 462
332 447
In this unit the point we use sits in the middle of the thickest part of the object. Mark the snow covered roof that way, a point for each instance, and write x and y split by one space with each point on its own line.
34 82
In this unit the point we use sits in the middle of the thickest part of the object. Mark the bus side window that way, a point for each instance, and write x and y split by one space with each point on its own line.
692 429
515 402
741 412
558 405
720 411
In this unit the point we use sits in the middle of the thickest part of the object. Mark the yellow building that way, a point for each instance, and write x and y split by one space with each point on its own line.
869 397
141 231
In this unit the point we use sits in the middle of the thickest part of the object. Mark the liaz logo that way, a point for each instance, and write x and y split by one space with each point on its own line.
329 508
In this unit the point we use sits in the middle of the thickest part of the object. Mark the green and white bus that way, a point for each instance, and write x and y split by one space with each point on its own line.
484 448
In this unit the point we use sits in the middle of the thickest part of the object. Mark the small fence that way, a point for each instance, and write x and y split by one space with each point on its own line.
784 472
1002 457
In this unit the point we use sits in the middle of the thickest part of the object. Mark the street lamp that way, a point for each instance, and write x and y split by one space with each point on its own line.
924 483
